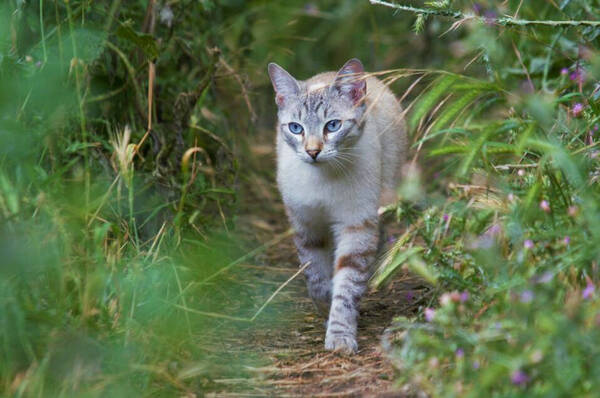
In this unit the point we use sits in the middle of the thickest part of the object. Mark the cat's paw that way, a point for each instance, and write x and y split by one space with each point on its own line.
343 343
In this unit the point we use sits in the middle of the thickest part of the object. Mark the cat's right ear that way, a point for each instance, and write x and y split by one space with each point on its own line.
284 84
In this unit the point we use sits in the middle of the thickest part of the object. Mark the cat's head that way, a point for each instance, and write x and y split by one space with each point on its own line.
320 118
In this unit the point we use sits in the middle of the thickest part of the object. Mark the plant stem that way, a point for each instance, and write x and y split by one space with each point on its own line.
42 30
84 135
505 21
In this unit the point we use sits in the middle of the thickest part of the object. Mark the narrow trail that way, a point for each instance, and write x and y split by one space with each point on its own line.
296 362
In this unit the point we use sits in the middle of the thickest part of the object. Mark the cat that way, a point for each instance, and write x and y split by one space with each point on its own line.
341 143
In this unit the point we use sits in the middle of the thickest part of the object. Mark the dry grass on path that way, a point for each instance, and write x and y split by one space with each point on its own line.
299 366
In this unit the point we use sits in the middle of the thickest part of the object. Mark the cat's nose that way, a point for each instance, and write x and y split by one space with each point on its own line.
313 152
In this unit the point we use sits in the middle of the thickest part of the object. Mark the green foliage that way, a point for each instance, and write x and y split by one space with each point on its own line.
111 233
514 235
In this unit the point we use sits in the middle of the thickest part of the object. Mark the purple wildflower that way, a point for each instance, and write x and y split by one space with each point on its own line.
526 296
564 71
410 295
578 75
545 277
577 109
519 378
588 292
445 217
429 314
477 8
528 244
459 353
545 206
476 365
521 172
494 230
566 240
490 17
464 296
596 127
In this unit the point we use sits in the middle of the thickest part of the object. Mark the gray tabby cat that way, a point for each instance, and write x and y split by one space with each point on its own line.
341 141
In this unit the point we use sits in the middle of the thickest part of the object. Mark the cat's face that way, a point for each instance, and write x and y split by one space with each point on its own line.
320 119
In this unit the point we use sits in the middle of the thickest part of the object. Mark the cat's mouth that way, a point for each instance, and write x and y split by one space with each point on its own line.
310 160
316 158
319 159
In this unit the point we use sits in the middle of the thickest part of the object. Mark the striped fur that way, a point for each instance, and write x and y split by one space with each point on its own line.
332 199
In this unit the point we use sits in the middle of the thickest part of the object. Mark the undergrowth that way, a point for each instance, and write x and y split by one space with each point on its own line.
510 237
129 133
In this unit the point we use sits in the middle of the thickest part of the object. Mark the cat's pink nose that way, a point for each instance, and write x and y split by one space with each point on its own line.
313 152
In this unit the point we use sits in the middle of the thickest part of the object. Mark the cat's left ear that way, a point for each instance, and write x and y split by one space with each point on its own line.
283 83
350 80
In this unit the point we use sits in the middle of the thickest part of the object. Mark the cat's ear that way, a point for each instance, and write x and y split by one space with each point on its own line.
284 84
350 80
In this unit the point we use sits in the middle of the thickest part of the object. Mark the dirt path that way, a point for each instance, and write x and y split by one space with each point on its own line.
297 364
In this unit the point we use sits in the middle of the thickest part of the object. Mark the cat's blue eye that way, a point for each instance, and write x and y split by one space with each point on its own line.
295 128
333 125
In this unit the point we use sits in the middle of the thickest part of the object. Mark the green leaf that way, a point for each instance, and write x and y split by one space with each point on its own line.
145 42
9 195
89 44
445 150
419 23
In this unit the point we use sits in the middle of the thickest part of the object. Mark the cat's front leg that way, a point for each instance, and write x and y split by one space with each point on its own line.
315 248
355 252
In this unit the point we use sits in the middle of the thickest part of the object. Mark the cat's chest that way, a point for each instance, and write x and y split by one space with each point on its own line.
302 186
308 187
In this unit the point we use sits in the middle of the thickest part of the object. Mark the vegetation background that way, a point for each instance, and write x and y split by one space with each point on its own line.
136 174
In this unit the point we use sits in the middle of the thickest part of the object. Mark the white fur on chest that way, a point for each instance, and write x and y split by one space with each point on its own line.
321 190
